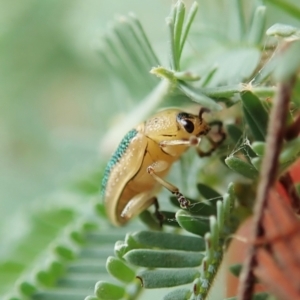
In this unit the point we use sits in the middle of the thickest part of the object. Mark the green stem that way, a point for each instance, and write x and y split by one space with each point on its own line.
257 29
188 23
173 62
178 24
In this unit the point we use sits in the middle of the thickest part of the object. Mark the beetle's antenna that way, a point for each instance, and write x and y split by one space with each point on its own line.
202 111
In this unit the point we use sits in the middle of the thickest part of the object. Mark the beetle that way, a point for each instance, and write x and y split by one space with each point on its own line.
136 170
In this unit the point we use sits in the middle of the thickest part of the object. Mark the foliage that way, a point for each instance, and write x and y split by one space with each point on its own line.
234 70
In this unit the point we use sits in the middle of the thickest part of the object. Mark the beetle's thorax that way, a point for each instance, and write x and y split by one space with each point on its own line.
161 124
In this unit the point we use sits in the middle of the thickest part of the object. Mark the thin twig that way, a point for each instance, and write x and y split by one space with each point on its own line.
274 141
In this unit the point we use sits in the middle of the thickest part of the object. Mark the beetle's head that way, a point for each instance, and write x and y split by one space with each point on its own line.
193 124
174 124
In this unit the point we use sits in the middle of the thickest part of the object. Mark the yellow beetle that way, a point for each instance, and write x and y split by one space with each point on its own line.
145 155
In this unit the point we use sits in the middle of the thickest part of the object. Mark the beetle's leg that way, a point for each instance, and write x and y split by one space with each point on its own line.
167 145
136 205
159 166
202 111
214 144
159 216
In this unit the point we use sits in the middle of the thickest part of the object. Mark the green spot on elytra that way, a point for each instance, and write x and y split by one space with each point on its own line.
117 156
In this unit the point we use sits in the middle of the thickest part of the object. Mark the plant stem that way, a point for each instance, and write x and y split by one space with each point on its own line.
268 176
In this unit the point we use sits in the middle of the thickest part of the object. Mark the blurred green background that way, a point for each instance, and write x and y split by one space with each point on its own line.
55 98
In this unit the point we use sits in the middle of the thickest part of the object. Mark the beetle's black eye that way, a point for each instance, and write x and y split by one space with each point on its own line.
188 125
183 118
